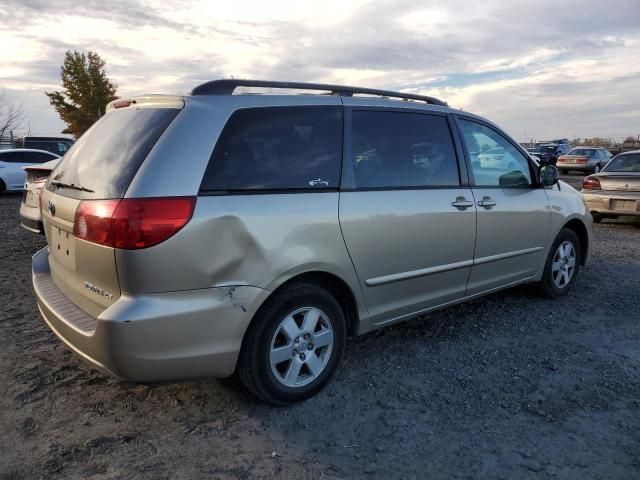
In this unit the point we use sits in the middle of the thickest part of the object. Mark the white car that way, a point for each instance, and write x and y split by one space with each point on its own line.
30 217
12 161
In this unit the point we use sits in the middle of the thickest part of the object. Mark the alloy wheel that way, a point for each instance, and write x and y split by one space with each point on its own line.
564 264
301 347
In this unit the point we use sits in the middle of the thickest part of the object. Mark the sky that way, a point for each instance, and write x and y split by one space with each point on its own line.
540 69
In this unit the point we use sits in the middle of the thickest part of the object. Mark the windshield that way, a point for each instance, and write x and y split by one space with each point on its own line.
104 160
624 163
585 152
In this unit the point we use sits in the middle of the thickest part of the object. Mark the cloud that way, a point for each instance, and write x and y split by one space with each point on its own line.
524 65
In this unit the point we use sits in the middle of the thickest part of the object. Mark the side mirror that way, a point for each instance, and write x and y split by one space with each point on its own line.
549 175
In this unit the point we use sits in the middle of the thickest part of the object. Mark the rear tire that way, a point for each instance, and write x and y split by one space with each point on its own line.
597 168
597 218
562 265
3 187
564 171
293 346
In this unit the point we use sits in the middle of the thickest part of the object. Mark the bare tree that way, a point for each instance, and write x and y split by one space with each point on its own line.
11 115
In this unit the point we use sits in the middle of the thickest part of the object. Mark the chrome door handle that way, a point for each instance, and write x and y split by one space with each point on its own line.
462 203
486 202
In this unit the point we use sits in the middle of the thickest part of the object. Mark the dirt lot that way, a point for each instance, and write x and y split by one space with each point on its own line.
509 386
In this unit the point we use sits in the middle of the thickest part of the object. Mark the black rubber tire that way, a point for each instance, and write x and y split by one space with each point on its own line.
597 218
3 187
547 286
597 169
563 171
254 370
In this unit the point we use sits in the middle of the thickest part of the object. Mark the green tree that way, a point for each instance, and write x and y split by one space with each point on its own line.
86 91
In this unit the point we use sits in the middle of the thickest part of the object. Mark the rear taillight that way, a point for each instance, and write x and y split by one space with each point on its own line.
581 160
132 223
591 183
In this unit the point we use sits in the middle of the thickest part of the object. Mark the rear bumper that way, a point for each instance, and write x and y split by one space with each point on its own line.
32 225
575 166
613 203
153 337
30 218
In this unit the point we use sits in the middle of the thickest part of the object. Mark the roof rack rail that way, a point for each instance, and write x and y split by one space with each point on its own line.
227 87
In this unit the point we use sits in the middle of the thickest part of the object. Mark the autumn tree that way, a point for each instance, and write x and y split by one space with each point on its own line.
86 91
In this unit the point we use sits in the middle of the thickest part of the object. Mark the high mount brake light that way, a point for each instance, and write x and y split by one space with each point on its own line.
132 223
123 103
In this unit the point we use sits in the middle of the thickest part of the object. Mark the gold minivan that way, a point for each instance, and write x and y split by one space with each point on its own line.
218 233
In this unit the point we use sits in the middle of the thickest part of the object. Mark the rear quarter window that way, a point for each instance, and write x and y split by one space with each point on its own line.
277 148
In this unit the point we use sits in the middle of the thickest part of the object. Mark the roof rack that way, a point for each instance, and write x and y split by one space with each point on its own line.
227 87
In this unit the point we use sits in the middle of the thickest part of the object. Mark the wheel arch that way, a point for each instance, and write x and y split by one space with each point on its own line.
580 229
330 282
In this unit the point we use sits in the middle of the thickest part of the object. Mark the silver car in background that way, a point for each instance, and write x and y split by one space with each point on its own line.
615 191
36 175
217 233
584 159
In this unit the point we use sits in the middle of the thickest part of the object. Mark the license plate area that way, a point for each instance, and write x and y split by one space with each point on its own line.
30 199
63 247
629 205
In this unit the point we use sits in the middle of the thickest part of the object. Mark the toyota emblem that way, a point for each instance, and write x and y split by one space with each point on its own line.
52 208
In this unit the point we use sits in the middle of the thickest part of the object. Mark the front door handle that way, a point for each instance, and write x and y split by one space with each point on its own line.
486 202
462 203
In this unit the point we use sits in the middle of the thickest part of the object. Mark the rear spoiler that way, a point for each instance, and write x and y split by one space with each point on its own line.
146 101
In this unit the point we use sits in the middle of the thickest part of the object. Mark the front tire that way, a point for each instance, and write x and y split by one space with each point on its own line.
293 346
597 168
562 265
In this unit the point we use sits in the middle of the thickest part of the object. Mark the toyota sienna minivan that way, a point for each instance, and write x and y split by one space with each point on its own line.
223 233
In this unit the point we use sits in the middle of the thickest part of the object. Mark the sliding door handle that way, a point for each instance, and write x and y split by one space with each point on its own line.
486 202
462 203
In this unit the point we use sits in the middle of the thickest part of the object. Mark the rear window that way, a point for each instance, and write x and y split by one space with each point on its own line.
25 157
587 152
106 158
624 163
277 148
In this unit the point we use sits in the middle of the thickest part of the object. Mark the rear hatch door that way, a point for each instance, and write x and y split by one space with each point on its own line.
98 168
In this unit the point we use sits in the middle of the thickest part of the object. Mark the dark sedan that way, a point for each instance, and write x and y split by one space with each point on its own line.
548 153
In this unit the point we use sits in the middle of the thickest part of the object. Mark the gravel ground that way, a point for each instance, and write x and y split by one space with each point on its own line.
509 386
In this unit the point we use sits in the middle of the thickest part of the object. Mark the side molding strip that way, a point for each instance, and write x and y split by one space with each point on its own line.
397 277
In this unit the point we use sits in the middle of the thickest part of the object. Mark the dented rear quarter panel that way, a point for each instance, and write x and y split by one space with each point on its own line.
254 240
259 240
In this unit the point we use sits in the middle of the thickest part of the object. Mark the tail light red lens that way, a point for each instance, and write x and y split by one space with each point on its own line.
581 160
591 183
132 223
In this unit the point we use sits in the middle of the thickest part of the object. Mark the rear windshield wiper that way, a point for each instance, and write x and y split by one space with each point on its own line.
71 185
